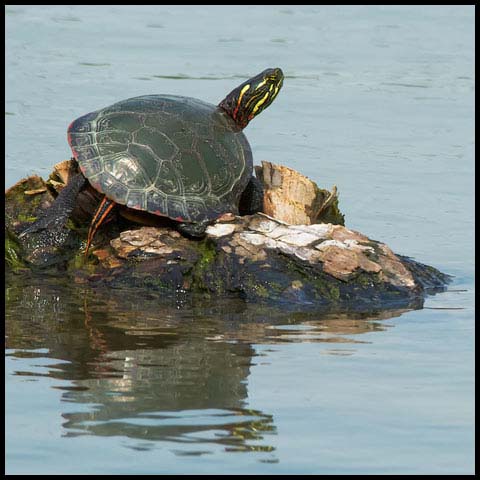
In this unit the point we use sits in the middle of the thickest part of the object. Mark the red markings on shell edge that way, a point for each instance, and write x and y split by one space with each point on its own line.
68 132
69 139
179 219
159 213
137 206
75 154
96 186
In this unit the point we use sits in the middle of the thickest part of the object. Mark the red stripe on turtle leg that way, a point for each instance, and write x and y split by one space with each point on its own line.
101 213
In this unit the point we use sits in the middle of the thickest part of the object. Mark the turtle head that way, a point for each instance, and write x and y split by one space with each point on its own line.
251 97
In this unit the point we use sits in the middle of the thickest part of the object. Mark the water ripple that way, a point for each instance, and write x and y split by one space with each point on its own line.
90 64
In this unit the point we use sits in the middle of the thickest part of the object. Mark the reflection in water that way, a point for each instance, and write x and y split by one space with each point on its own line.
141 367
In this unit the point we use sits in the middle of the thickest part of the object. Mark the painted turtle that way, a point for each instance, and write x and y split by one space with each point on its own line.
168 155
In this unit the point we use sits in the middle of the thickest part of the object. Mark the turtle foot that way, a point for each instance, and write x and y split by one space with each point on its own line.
195 230
55 217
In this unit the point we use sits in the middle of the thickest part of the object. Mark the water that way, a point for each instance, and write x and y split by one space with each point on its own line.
378 101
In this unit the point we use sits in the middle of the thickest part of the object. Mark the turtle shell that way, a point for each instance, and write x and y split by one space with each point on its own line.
168 155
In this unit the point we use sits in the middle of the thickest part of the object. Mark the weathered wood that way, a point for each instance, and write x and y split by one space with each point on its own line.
295 199
256 257
61 174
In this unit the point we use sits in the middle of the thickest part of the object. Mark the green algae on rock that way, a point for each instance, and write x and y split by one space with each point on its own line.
255 257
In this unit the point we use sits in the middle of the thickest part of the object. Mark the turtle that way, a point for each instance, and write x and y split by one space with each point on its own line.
168 155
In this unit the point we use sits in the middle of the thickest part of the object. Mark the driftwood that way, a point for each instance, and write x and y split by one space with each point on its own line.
295 199
298 251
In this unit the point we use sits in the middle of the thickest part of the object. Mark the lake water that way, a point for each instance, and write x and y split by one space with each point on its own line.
377 100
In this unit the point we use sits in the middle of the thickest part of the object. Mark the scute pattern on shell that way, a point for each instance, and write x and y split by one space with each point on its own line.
169 155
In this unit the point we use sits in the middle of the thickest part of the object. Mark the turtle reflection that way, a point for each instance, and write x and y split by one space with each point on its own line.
136 374
149 370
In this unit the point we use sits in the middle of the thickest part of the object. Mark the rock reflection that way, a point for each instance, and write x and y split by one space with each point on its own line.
146 369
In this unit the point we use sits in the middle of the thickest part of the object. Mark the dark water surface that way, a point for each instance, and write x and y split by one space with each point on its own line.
376 100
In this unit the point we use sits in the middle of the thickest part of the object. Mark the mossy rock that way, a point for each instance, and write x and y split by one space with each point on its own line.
257 258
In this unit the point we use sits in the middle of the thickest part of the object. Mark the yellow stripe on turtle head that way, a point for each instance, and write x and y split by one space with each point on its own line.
263 82
242 93
260 103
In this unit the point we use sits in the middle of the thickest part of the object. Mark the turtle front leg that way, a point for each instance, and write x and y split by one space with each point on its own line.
56 216
251 200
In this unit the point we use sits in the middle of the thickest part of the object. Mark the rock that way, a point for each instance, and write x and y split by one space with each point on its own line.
220 230
257 257
264 266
